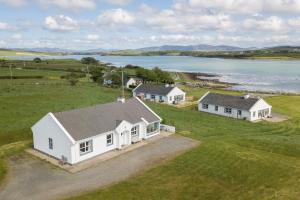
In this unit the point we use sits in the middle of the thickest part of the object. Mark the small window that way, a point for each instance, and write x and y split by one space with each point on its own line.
170 98
228 110
152 96
135 130
216 108
109 139
85 147
239 112
205 106
50 142
254 114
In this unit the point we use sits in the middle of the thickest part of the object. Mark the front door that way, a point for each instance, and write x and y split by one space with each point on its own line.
124 138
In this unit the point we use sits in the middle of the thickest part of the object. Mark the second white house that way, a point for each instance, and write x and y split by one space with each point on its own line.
159 93
245 107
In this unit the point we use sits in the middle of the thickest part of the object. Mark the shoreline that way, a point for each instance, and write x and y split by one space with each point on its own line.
212 81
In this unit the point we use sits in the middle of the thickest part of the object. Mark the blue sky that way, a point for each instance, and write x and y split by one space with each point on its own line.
123 24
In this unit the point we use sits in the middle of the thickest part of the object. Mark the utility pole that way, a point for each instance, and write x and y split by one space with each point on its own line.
11 75
123 95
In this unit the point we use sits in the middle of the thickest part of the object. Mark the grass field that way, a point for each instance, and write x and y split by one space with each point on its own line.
19 53
236 160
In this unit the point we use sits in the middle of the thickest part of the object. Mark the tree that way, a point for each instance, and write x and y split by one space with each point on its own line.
116 79
37 60
162 76
97 74
89 60
72 78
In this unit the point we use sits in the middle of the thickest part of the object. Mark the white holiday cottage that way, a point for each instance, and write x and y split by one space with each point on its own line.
159 93
245 107
80 134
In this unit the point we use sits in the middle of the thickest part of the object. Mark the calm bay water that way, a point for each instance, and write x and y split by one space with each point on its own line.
262 75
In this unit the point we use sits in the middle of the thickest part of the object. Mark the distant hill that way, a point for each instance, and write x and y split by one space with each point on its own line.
283 48
201 47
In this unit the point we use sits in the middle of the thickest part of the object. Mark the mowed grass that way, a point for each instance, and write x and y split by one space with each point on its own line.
236 160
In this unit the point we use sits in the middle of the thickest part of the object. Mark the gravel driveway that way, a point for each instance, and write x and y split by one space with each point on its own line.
34 179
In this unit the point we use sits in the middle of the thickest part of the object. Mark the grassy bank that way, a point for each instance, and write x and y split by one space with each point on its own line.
4 53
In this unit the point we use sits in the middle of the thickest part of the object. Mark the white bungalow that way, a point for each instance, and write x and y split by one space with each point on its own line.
77 135
132 82
246 107
159 93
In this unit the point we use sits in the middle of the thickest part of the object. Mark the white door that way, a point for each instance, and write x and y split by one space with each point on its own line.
124 138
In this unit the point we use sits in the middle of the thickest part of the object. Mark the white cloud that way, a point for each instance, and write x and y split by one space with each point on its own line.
6 27
294 23
16 36
115 17
272 23
119 2
92 37
72 5
61 23
2 43
14 3
239 6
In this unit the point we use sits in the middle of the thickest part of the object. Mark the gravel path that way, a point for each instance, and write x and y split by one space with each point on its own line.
33 179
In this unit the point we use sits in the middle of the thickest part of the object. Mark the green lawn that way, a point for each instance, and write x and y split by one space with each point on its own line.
236 160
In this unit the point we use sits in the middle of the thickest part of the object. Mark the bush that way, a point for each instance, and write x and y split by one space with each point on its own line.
37 60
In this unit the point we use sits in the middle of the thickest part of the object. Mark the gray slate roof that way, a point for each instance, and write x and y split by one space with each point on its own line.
153 89
87 122
229 101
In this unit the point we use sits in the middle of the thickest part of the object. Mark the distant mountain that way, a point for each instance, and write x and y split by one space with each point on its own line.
44 50
283 48
201 47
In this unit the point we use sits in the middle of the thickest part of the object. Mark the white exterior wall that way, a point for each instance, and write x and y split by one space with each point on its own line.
234 114
99 146
47 128
260 105
175 92
169 98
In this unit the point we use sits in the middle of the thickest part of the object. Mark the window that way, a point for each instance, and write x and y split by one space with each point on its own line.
135 130
228 110
50 142
85 147
109 139
152 96
160 98
152 128
239 112
170 98
254 114
178 98
216 108
205 106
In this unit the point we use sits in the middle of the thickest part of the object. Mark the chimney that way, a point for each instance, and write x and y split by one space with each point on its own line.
167 85
121 99
246 96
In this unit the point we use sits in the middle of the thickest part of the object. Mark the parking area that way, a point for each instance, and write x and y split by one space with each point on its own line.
34 179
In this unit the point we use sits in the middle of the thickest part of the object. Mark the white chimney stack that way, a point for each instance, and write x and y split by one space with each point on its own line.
247 96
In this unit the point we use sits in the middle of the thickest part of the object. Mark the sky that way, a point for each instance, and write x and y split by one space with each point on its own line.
127 24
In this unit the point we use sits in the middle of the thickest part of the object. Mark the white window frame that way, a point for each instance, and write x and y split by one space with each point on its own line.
205 106
86 147
109 141
228 110
50 143
135 130
240 112
216 108
152 95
